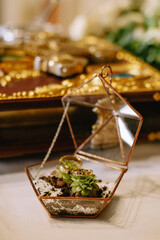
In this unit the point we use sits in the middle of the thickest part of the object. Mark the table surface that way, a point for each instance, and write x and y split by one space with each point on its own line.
133 213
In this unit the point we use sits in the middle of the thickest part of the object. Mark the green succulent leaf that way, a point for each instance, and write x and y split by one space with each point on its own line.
66 177
81 185
69 164
84 185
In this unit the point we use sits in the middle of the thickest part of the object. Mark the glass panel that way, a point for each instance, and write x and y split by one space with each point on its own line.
90 93
127 110
121 106
46 170
97 134
104 173
81 121
127 128
90 112
105 143
72 207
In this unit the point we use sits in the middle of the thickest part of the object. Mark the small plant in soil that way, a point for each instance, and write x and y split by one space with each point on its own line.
74 180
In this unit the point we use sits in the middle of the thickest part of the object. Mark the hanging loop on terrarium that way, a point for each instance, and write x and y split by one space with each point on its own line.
105 74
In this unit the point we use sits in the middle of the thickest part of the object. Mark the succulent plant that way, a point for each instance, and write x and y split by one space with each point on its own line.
83 182
84 185
65 176
67 164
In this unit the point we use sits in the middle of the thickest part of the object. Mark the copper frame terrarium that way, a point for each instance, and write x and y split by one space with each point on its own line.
105 146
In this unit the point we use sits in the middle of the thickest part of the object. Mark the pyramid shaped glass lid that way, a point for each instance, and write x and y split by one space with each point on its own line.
103 125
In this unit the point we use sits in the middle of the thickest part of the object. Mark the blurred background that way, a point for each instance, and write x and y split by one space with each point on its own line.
20 13
132 24
33 28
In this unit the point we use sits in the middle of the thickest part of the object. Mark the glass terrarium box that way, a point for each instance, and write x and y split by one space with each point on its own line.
102 151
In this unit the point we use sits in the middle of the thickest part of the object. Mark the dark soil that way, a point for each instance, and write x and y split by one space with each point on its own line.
65 188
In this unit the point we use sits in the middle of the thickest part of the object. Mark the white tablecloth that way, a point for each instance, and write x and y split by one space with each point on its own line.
133 213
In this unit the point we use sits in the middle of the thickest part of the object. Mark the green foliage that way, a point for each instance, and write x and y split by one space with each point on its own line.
80 185
146 50
66 177
122 36
69 164
84 185
82 182
151 22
